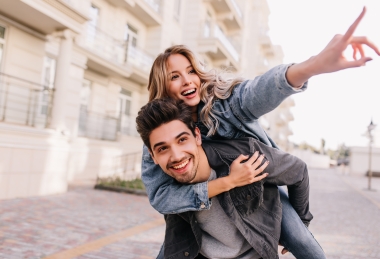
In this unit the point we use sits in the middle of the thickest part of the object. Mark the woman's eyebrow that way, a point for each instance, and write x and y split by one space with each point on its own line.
174 71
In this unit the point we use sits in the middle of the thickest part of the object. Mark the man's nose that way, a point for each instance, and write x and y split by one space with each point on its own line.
176 154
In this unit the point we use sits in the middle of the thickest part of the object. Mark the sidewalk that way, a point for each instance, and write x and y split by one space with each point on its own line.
346 216
93 224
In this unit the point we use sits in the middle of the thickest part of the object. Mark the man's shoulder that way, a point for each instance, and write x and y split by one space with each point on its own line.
228 147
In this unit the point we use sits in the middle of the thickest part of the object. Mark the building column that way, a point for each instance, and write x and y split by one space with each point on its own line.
62 79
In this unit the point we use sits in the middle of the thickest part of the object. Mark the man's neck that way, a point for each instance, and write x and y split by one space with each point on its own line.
204 169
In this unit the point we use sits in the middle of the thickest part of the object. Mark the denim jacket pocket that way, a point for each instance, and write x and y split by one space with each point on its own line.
247 199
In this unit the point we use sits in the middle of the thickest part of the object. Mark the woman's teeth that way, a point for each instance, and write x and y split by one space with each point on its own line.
182 165
188 92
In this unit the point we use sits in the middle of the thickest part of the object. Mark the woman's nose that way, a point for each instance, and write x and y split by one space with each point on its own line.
186 80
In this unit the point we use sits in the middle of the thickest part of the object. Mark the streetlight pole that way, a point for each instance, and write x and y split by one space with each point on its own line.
371 127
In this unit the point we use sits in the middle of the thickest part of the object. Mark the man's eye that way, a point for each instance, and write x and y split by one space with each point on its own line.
182 139
161 149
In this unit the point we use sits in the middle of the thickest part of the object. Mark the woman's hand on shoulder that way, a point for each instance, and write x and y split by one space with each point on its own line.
250 171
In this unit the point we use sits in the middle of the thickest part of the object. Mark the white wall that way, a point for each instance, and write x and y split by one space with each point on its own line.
312 160
359 160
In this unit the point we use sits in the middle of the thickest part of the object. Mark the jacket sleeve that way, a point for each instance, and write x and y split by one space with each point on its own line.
168 196
286 169
254 98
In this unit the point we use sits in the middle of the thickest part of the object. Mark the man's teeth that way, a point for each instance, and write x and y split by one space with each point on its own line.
188 92
181 165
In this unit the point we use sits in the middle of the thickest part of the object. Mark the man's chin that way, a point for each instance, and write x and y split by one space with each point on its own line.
185 180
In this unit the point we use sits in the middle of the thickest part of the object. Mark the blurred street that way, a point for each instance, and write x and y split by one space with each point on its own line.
94 224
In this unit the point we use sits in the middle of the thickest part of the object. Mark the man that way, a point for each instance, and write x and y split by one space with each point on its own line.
244 222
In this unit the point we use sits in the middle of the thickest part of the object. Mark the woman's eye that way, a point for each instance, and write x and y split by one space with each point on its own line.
192 71
174 77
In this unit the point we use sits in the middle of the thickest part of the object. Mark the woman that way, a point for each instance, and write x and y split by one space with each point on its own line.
230 108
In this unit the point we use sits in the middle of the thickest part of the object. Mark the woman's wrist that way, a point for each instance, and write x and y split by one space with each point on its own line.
299 73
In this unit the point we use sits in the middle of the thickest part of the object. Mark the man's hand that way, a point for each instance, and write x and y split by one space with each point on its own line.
243 173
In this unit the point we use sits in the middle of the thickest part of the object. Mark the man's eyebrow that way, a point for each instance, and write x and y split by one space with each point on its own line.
182 133
163 142
171 72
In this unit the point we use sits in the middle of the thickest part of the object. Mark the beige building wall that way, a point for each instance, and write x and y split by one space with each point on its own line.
89 81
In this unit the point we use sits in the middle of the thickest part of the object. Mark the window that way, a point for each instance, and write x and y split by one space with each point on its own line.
177 9
207 28
2 41
92 24
2 85
85 95
94 15
131 35
49 72
48 77
124 110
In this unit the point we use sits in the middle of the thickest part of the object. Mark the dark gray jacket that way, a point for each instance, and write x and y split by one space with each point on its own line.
255 209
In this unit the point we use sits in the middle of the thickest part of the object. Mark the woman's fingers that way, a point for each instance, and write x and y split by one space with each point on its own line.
240 159
258 162
364 40
357 63
253 158
347 36
259 178
260 169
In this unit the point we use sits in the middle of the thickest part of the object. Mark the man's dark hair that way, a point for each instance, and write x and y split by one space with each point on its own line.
162 111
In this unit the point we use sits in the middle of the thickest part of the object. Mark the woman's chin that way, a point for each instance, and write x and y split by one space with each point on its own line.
193 101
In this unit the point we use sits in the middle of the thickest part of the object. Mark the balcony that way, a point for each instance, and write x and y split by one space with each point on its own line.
219 48
97 126
228 12
111 56
44 16
147 11
24 103
104 127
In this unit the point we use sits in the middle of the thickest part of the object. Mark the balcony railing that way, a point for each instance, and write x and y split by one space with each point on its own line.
155 4
100 126
128 126
105 45
118 51
97 126
128 166
218 33
138 58
24 102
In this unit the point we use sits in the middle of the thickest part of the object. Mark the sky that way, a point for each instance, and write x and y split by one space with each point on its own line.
339 106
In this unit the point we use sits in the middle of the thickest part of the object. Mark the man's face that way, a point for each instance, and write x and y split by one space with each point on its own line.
176 150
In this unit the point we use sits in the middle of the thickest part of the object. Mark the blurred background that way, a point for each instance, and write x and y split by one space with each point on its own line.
74 74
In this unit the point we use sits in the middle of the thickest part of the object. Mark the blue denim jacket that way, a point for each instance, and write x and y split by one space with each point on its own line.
238 117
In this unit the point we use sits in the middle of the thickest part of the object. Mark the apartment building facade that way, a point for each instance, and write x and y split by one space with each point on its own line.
73 75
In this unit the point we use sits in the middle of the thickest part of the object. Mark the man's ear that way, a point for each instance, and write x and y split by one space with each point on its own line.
151 154
198 136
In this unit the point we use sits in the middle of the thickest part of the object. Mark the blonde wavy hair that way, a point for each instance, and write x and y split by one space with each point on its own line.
214 84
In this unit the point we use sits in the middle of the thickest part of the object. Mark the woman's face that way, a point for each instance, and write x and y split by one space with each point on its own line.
184 83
